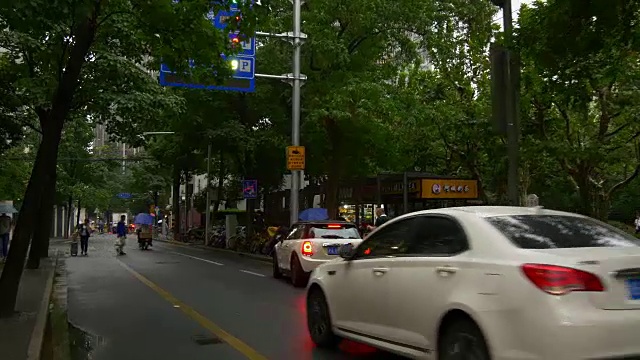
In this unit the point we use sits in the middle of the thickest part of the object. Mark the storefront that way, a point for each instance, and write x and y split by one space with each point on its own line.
423 191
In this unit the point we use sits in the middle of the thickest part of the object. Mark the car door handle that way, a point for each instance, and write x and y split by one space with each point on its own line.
446 270
380 271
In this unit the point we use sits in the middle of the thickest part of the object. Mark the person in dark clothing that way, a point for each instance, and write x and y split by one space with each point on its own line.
121 233
84 230
381 218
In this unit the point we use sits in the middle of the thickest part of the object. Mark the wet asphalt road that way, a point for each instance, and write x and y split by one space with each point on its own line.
164 303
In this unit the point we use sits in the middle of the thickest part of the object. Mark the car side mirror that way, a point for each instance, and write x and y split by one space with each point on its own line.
347 251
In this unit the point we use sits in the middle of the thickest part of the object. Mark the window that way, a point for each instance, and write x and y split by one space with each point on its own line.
332 231
390 241
560 232
296 233
438 236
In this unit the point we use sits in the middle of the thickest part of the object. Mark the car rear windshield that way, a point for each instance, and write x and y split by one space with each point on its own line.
558 232
333 231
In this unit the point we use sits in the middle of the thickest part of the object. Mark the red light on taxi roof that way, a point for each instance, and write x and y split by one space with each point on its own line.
334 226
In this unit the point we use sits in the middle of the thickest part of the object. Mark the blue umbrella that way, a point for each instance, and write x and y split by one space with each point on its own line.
143 219
314 214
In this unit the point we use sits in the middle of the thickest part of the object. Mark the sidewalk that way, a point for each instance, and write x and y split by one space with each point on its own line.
23 334
214 249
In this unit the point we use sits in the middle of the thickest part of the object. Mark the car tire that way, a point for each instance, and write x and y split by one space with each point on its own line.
319 320
299 278
462 336
277 274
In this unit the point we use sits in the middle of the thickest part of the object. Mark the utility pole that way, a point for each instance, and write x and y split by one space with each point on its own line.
208 189
507 97
295 109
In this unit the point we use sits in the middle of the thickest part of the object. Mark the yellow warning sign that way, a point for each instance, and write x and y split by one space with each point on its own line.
295 157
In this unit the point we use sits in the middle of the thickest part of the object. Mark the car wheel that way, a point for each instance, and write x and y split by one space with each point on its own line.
319 320
277 274
462 339
299 278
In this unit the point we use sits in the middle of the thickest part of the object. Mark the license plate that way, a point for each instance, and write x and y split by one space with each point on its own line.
333 250
633 285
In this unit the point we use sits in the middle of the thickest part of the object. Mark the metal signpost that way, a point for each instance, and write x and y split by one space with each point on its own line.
243 64
295 79
244 79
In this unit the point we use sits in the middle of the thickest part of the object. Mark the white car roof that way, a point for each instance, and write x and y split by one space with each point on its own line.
491 211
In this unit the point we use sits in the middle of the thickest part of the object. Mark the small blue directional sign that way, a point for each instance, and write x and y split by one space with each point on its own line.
124 196
250 189
243 78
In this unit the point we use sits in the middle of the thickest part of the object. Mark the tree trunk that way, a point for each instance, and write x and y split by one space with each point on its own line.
334 172
176 203
221 176
78 214
12 272
69 215
187 203
51 123
40 242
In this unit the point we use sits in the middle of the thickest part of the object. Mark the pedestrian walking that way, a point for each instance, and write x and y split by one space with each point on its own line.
5 230
121 232
84 231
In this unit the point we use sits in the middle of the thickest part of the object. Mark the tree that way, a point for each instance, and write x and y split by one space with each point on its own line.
61 48
581 82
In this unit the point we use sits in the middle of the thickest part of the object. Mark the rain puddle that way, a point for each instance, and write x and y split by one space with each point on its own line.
83 344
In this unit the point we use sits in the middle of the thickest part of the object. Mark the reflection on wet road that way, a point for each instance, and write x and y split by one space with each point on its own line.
176 302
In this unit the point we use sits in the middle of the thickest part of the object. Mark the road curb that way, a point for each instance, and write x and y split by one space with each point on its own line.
34 350
256 257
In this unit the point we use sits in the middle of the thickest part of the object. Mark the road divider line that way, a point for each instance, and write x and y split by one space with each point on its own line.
197 258
252 273
234 342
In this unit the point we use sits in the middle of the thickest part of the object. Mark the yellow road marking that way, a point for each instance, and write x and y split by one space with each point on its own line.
236 343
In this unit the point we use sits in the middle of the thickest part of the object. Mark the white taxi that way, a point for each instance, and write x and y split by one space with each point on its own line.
310 244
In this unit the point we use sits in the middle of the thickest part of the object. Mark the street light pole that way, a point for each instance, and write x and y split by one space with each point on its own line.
295 108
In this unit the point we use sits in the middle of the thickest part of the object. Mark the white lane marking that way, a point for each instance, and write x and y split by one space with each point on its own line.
252 273
197 258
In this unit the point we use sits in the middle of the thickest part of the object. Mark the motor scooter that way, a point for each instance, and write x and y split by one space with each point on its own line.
145 235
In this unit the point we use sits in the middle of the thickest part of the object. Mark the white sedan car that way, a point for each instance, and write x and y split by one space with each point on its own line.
484 283
310 244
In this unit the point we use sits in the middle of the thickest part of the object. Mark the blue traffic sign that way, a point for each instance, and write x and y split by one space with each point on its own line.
250 189
247 47
243 64
124 196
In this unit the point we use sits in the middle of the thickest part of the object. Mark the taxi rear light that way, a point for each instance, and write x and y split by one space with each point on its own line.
334 226
560 280
307 249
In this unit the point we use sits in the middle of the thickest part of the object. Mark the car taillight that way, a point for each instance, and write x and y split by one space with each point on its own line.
307 249
334 226
560 280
